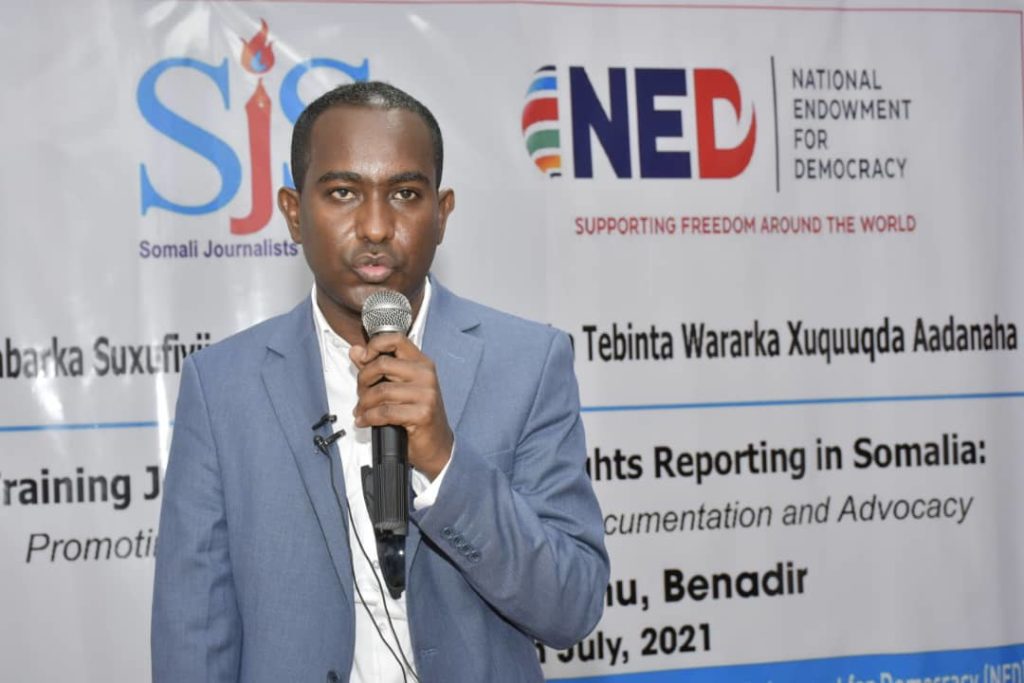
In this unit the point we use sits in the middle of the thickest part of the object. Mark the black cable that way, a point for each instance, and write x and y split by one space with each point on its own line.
380 587
403 663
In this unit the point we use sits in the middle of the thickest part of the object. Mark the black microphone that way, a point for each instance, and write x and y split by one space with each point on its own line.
325 419
323 444
388 311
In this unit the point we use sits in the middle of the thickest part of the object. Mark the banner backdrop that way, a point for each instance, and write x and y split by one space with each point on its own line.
786 241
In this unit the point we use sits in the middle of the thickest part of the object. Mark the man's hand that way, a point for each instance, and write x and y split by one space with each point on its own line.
410 398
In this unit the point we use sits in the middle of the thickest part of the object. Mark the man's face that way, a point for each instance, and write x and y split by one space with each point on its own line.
369 216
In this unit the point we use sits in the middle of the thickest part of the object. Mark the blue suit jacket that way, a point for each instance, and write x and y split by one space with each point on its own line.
253 578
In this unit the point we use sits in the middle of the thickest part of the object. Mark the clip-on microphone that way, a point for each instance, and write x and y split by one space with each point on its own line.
324 443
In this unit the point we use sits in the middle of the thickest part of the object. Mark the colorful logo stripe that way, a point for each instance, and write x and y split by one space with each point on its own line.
540 122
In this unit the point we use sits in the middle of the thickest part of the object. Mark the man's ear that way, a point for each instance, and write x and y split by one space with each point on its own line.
445 206
288 204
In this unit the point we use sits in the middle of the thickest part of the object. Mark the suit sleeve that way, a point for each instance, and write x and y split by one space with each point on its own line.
530 542
196 630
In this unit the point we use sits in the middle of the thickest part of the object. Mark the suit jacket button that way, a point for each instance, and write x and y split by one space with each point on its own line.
447 532
332 676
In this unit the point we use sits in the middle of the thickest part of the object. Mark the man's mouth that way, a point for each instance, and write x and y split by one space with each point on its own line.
373 269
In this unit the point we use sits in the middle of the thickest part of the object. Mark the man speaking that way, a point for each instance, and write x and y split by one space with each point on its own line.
271 565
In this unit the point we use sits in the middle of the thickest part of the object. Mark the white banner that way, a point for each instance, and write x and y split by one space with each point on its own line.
785 240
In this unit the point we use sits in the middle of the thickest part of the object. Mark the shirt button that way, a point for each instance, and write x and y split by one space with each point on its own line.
333 677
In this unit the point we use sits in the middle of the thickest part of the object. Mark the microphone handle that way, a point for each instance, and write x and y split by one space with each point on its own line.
391 480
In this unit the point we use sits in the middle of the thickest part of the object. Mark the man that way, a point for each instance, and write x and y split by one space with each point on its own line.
263 573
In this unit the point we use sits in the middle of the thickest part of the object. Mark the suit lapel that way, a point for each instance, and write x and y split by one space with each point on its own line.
456 355
294 380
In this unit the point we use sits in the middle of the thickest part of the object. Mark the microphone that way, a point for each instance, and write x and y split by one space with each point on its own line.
323 444
324 420
389 311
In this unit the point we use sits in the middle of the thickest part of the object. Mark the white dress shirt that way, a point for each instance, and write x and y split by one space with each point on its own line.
372 662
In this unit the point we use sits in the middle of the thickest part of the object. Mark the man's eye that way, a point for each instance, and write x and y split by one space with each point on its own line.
341 193
405 194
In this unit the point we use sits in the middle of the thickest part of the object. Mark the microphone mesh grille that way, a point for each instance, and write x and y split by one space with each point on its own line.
386 311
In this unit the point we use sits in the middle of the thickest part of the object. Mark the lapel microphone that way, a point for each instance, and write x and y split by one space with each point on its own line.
324 443
389 311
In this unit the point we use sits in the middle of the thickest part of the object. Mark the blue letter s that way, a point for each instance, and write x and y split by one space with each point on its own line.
186 133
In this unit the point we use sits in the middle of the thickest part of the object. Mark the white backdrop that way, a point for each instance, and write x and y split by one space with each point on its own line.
790 267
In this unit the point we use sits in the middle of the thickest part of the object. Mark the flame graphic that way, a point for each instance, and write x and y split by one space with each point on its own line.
258 53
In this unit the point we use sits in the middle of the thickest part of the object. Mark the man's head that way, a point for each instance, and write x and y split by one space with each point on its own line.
371 94
368 210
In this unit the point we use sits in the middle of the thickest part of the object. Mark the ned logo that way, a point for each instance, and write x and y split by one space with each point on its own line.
567 100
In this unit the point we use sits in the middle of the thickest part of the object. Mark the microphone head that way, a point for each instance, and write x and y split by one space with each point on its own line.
386 311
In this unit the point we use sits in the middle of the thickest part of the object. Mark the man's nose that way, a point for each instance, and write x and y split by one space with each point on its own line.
376 220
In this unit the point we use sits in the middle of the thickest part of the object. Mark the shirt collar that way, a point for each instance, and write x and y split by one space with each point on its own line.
415 332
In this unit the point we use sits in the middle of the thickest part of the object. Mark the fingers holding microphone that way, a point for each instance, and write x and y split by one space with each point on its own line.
397 385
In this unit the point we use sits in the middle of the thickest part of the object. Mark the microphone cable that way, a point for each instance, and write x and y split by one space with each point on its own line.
323 445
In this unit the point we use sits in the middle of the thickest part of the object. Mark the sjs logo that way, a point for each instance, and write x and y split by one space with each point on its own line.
543 123
257 57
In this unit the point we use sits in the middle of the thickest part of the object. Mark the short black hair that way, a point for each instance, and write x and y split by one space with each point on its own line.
370 94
